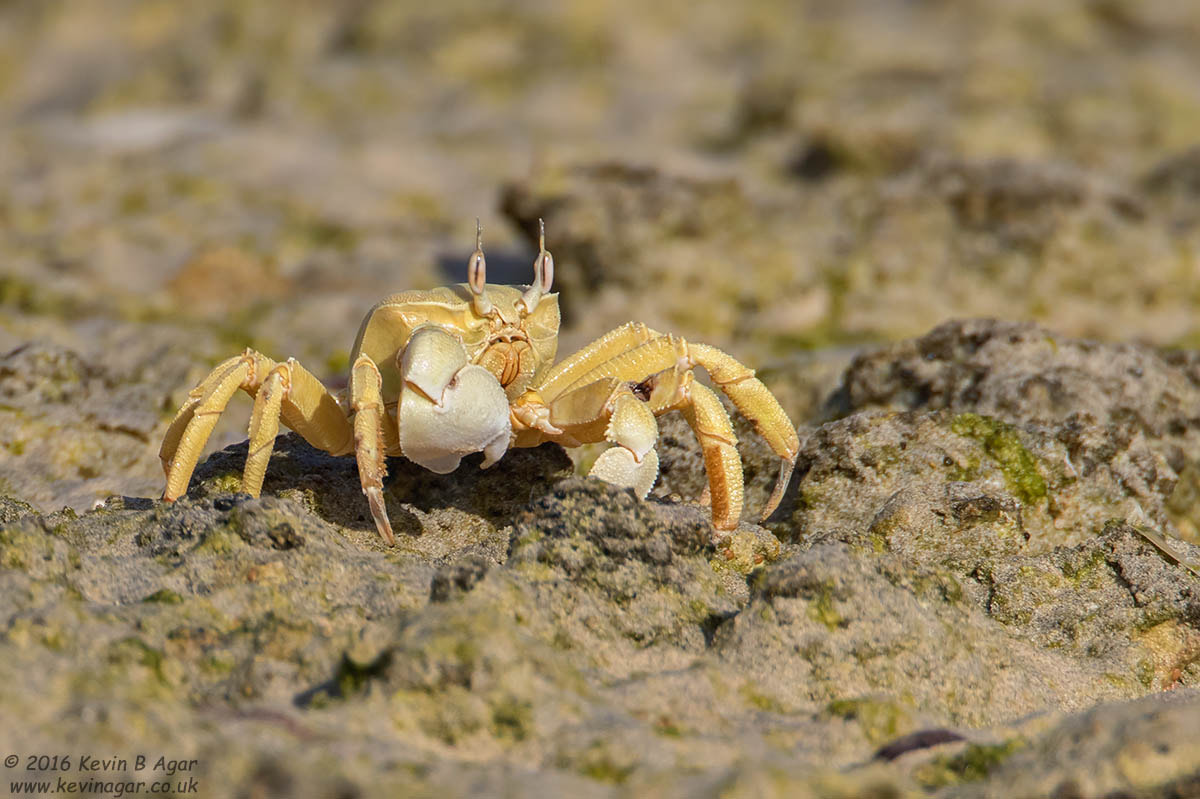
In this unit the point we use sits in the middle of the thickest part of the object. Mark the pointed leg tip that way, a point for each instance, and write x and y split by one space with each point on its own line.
379 514
781 484
385 532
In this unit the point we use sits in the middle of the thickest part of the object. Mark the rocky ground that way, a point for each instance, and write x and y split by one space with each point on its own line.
984 577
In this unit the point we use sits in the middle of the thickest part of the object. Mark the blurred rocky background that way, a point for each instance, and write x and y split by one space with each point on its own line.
967 553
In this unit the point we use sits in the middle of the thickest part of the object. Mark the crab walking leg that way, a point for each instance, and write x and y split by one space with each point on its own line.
200 420
566 373
758 404
676 388
738 382
609 411
314 413
302 402
264 426
366 401
305 405
170 445
632 364
708 420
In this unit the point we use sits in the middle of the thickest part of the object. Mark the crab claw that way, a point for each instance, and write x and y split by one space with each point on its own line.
449 407
632 463
618 466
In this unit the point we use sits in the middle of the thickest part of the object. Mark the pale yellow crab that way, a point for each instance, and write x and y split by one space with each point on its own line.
440 374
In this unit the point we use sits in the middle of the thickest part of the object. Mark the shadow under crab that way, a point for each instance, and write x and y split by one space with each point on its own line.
329 485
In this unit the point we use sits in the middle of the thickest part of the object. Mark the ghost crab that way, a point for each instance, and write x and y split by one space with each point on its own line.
439 374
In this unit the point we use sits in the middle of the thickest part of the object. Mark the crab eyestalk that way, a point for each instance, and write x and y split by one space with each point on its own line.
543 272
477 274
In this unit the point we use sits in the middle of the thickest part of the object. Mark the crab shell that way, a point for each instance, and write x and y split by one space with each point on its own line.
452 373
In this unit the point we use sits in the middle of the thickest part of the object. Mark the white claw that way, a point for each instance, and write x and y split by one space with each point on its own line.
472 417
632 425
618 466
495 450
448 407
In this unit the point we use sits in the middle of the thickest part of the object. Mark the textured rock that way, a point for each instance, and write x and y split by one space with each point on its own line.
973 587
79 424
1021 372
1112 404
948 588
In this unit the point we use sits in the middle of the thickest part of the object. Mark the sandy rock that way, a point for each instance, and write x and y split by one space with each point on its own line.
973 587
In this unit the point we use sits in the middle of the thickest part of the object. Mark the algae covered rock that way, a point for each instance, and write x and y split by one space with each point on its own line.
1141 748
1036 486
1021 372
77 424
1014 636
974 586
1123 408
930 569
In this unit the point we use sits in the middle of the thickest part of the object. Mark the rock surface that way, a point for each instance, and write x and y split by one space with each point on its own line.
983 579
991 575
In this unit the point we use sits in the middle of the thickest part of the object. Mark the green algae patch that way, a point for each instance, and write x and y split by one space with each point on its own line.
165 596
20 546
54 634
220 541
601 763
1001 442
35 298
12 509
512 719
973 764
1144 670
353 677
821 609
880 720
757 699
452 716
32 545
603 770
132 651
227 483
1087 572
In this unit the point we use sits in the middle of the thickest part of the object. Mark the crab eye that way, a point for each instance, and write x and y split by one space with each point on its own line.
544 270
543 267
477 266
477 272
